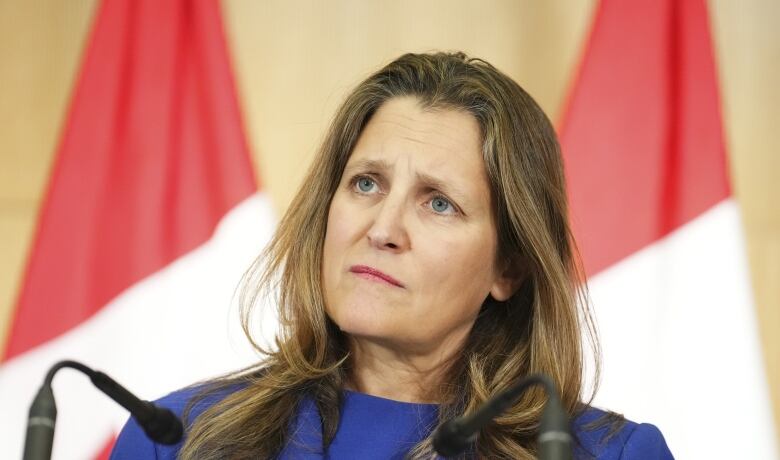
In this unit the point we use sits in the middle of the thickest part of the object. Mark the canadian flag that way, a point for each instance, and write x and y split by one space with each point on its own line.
660 233
151 216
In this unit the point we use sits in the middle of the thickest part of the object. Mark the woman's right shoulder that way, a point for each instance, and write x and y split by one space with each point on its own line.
197 398
132 442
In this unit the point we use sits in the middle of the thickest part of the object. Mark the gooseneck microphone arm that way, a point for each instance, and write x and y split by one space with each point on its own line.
554 441
161 425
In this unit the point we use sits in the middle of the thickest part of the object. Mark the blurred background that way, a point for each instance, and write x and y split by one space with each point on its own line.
294 61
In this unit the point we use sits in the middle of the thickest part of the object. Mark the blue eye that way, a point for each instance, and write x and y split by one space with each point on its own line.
440 205
365 184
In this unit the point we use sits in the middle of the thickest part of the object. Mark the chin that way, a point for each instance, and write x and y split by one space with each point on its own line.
368 323
360 324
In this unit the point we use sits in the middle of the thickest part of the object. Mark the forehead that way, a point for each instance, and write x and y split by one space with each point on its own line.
444 142
441 129
441 149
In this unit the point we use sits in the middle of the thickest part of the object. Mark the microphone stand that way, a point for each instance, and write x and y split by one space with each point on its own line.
456 435
161 425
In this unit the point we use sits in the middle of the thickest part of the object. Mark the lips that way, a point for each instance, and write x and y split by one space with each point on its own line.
372 273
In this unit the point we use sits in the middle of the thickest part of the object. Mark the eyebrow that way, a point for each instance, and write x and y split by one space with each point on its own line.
371 165
426 179
446 188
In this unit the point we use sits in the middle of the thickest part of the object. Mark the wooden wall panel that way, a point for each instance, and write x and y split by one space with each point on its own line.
748 52
40 48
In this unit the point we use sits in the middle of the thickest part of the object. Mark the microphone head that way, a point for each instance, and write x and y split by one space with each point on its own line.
449 440
39 439
164 427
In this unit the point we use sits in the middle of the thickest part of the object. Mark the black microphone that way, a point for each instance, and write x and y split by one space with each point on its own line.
456 435
160 424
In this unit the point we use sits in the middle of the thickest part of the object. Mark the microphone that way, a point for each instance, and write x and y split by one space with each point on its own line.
160 424
456 435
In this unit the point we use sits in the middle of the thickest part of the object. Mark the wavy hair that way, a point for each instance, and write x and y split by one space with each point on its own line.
539 329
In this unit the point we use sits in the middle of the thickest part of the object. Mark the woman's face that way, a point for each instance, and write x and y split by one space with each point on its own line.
410 248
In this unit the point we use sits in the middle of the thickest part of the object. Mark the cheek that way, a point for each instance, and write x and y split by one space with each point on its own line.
461 273
460 256
339 231
339 237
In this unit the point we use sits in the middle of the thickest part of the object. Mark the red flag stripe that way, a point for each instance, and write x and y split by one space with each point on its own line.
105 450
642 136
152 157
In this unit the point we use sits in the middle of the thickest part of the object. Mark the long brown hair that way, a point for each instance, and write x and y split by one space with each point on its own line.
539 329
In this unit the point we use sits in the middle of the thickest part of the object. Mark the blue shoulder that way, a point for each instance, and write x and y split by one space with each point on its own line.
599 437
132 442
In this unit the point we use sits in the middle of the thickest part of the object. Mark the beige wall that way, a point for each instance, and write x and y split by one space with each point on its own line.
40 45
296 59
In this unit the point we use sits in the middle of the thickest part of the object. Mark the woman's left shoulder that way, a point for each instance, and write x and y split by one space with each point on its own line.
605 436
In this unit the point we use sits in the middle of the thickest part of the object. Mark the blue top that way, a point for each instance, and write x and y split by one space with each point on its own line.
376 428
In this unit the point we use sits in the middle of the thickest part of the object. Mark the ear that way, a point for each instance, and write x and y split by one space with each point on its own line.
508 281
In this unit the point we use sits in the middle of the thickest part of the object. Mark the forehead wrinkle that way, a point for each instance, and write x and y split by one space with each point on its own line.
432 128
418 141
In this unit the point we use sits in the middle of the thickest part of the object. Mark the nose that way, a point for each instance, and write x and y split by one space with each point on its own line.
388 230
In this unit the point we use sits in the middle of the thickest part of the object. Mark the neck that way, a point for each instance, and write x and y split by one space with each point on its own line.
384 371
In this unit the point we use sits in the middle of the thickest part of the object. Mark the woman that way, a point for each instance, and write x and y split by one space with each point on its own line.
425 265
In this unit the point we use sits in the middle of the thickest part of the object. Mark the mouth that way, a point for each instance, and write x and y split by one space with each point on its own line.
367 272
